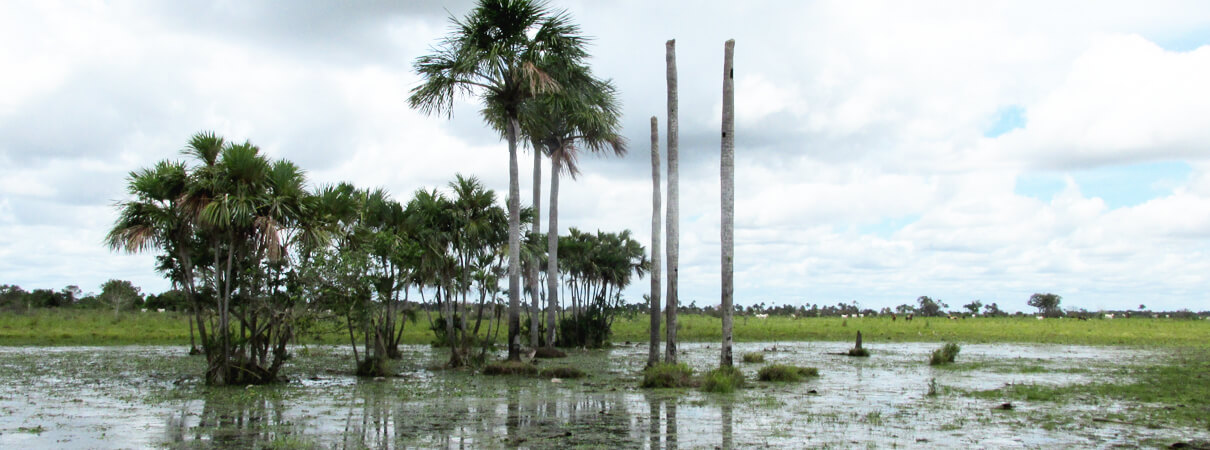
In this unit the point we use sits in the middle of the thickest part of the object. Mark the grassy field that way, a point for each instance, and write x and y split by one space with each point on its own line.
84 327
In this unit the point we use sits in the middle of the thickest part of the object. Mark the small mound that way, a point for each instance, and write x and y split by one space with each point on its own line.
374 367
548 352
945 354
859 352
723 380
509 368
562 372
783 372
666 375
754 357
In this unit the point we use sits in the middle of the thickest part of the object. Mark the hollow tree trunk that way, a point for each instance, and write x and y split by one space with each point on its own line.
514 245
673 249
653 356
727 181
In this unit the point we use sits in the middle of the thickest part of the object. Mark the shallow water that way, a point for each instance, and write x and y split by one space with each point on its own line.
136 397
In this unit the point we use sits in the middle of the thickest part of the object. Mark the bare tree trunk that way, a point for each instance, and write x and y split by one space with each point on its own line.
514 245
653 356
673 202
552 252
534 310
727 181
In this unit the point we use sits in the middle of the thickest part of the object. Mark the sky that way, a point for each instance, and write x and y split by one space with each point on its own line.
884 150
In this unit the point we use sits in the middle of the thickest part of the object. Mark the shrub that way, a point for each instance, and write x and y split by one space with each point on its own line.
945 354
783 372
723 380
754 357
510 368
562 372
664 375
548 352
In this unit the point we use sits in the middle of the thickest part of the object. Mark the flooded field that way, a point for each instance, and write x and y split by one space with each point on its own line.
136 397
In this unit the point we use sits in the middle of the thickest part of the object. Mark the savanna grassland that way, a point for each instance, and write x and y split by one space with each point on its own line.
93 327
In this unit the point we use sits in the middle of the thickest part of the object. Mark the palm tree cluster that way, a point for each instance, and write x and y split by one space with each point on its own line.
527 65
258 255
597 267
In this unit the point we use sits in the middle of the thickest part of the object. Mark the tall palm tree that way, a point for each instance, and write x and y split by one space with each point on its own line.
503 52
585 114
653 355
673 223
727 181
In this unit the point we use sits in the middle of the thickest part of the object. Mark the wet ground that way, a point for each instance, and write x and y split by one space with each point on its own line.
138 397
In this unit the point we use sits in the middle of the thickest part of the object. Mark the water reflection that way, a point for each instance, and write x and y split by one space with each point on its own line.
656 401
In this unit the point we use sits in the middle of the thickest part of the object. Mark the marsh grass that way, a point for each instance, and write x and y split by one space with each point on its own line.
562 372
945 354
664 375
723 380
783 372
859 352
510 368
754 357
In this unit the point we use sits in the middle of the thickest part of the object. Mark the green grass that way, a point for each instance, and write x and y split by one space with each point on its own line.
754 357
664 375
723 380
96 327
945 354
782 372
562 372
1174 392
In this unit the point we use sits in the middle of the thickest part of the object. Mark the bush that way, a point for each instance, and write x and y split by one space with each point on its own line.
723 380
754 357
510 368
562 372
945 354
590 329
783 372
664 375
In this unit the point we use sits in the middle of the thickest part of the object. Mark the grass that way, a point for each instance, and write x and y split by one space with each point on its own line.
945 354
754 357
96 327
859 352
510 368
1175 392
723 380
783 372
562 372
664 375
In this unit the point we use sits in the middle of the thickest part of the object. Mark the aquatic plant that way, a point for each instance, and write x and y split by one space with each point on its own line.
723 380
784 372
945 354
665 375
754 357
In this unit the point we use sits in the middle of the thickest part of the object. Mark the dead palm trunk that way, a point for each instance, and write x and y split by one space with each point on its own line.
727 181
552 250
514 245
653 356
534 311
673 201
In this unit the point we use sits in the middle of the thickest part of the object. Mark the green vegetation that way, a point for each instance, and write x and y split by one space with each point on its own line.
945 354
562 372
58 326
783 372
859 352
754 357
664 375
1175 392
723 380
510 368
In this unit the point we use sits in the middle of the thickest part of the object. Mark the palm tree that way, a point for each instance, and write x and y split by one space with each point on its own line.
502 52
584 114
674 227
653 356
727 181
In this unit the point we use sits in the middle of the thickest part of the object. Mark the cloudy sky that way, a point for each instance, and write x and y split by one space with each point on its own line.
885 150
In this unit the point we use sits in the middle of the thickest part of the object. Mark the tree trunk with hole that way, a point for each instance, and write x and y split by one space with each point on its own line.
673 202
653 356
727 181
514 245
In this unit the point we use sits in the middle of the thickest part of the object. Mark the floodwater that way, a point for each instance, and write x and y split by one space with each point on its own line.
138 397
